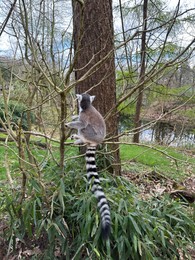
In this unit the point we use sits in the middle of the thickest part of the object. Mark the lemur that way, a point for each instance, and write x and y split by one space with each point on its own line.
91 131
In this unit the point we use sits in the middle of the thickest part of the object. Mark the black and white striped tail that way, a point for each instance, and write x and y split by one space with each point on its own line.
97 190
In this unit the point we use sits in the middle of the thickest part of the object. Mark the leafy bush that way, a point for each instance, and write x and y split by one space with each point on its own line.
17 112
60 214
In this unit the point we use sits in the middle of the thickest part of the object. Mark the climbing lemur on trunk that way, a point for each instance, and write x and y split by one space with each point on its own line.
91 131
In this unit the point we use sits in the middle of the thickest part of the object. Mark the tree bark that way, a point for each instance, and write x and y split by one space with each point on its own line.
62 130
137 121
93 40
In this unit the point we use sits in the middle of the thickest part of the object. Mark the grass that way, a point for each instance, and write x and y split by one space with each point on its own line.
166 160
189 113
169 161
43 156
12 157
62 208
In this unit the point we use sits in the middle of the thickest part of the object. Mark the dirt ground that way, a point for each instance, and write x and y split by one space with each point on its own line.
153 183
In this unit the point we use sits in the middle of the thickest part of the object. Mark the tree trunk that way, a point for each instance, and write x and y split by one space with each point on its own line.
93 40
62 130
137 121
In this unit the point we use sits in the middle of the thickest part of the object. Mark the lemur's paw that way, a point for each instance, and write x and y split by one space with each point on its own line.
73 137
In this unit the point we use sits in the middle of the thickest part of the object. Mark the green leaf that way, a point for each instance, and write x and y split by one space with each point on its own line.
135 225
163 238
96 252
135 243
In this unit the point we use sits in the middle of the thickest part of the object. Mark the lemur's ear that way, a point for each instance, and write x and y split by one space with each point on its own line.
79 97
92 98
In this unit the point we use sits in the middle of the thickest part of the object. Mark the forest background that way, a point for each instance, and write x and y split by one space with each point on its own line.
137 57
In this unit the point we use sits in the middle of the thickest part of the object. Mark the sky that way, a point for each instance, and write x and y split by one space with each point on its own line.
188 34
6 43
188 3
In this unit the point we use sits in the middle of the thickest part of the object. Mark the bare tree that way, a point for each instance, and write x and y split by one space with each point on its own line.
7 17
164 52
137 122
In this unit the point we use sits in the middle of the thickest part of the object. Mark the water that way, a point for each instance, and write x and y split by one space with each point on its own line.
168 134
163 133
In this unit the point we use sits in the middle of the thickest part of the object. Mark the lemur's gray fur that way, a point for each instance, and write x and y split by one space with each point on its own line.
90 124
91 131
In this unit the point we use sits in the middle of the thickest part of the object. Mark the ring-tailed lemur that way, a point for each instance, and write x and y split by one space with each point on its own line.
91 131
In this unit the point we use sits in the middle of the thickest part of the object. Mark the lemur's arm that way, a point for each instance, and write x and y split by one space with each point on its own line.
76 117
76 124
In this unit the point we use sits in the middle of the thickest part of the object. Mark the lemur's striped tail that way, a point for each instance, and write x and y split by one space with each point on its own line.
97 190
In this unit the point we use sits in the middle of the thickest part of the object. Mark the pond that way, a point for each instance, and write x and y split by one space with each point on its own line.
169 134
164 133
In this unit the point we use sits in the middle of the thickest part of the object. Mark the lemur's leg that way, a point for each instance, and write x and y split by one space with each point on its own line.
78 139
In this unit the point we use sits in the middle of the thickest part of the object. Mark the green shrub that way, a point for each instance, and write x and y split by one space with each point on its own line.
17 112
63 211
